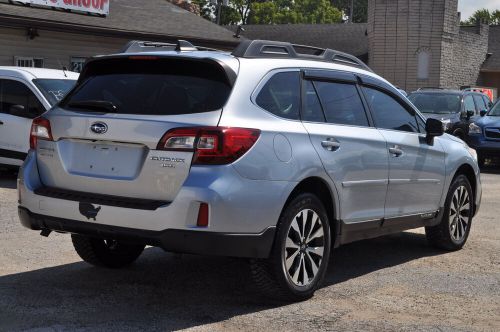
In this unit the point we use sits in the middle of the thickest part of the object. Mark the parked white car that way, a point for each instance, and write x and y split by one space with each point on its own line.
26 93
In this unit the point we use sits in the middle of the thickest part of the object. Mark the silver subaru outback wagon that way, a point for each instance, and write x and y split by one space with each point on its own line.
275 152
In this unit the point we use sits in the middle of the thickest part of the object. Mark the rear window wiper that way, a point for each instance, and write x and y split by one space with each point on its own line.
94 105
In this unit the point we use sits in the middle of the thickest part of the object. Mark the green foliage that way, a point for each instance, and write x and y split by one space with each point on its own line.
206 9
229 16
360 14
484 15
293 12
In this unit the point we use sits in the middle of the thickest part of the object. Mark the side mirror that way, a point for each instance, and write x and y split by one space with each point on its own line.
469 114
434 128
483 112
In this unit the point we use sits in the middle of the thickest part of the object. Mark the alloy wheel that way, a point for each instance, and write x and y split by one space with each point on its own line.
459 214
304 248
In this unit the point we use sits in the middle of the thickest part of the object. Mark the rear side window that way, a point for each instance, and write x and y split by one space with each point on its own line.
150 86
388 113
18 100
281 95
341 103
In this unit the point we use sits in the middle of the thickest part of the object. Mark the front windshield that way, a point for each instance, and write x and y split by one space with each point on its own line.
54 89
437 103
495 110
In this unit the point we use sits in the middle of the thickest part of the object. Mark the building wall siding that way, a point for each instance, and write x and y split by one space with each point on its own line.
463 55
56 48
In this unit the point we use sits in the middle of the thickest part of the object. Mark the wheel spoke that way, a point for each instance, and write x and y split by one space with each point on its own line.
318 251
465 207
314 222
314 267
305 276
295 227
295 276
317 234
291 244
290 260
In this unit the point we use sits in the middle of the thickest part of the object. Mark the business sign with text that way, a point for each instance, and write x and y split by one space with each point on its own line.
100 7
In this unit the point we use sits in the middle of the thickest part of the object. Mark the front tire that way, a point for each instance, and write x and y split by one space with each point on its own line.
453 230
107 253
299 258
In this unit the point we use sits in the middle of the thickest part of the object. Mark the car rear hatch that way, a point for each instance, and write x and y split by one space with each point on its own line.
104 135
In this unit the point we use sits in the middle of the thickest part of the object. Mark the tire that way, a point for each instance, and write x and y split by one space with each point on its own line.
453 230
286 281
107 253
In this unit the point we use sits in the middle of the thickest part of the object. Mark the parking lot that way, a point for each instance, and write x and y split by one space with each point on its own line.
391 283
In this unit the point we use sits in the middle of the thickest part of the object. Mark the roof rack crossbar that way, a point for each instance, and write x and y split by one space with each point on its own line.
139 46
275 49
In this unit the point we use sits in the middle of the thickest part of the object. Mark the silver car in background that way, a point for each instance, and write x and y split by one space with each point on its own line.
275 152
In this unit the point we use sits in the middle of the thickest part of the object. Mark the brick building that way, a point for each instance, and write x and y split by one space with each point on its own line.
412 43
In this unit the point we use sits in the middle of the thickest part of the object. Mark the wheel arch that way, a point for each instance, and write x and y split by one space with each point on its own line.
468 171
324 191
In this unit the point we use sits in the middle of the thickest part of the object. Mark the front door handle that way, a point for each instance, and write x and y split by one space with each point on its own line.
396 151
330 144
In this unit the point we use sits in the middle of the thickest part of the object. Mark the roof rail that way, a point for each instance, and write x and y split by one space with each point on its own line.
138 46
275 49
430 88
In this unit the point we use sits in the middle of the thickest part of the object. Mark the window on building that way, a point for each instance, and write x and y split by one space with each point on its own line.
424 60
17 99
77 63
22 61
341 103
281 95
388 113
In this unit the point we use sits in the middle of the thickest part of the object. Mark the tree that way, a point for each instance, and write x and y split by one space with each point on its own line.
485 16
360 14
294 12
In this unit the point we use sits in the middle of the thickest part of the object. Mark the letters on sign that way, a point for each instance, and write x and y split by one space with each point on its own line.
88 6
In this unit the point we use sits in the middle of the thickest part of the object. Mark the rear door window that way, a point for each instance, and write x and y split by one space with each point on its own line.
341 103
312 110
281 95
156 86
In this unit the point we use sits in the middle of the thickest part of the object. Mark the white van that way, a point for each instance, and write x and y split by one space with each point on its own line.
26 93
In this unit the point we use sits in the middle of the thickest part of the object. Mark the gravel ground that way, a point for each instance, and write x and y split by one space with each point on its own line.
392 283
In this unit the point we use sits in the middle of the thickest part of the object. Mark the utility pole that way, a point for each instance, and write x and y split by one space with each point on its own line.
351 11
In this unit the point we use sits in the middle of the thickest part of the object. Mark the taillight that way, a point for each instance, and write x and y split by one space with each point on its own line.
211 145
40 129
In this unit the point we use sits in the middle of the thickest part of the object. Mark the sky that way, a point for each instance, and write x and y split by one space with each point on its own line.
467 7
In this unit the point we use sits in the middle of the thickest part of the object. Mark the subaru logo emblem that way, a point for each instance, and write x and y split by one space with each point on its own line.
99 127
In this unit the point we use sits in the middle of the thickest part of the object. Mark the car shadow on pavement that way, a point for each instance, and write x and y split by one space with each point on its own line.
168 291
8 179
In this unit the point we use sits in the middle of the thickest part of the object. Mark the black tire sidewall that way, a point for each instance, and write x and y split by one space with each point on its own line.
299 203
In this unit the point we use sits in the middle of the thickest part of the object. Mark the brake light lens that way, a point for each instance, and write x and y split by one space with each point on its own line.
40 129
211 145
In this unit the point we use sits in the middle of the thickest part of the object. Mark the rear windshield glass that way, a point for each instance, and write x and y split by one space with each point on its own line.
54 89
150 86
438 103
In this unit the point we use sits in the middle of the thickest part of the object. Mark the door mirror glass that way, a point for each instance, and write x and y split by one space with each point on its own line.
483 112
434 127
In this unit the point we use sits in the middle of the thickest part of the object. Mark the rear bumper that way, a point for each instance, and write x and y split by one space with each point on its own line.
174 240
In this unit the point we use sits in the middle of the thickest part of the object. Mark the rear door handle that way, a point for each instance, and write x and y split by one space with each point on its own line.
330 144
396 151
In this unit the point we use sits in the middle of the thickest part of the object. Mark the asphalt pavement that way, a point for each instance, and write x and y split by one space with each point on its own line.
393 283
